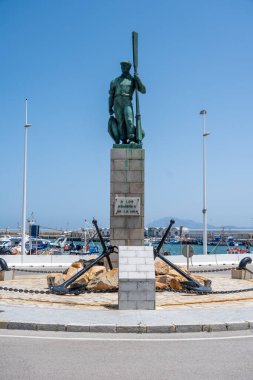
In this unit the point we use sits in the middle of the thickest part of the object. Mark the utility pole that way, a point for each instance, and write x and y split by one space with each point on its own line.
24 184
204 134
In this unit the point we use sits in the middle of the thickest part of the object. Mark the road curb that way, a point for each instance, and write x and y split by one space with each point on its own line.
118 328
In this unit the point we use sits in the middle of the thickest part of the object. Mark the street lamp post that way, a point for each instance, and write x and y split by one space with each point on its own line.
24 184
205 134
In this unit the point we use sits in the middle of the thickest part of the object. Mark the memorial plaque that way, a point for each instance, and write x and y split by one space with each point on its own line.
127 206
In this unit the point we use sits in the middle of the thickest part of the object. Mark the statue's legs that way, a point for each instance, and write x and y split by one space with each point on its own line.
129 120
120 116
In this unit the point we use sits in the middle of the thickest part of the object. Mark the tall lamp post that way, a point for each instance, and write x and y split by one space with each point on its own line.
24 184
205 134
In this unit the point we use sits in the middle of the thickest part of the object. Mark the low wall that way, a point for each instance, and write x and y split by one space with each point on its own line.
66 260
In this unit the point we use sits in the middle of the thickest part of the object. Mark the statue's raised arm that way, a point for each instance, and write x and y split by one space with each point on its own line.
139 84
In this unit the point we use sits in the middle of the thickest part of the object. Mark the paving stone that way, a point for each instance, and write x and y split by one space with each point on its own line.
188 328
250 324
215 327
21 326
161 329
50 327
4 324
233 326
110 328
77 328
131 329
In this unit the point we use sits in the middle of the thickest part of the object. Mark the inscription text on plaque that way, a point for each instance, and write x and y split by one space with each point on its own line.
127 206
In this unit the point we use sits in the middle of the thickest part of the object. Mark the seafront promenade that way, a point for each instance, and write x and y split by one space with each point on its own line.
65 260
243 234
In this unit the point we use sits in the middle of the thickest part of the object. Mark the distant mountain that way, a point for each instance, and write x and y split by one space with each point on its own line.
163 222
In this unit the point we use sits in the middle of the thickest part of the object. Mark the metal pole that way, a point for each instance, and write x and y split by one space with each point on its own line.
203 113
24 185
187 253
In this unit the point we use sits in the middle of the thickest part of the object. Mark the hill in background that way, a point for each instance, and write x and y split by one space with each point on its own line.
164 222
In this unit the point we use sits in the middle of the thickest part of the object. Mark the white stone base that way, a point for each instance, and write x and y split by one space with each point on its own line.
136 278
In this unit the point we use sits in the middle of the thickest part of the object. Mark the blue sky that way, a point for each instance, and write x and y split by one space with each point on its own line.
62 55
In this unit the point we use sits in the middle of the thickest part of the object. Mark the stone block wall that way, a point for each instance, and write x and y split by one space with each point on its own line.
127 180
136 278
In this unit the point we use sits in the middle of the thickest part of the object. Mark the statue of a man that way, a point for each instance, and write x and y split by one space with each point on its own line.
120 103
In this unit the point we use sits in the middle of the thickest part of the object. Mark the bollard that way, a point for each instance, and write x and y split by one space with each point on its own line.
244 262
3 265
242 272
5 272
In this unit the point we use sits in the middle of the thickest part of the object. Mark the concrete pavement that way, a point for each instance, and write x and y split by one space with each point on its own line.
222 318
97 312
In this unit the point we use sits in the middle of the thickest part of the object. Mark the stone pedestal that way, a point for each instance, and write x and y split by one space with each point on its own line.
127 185
136 278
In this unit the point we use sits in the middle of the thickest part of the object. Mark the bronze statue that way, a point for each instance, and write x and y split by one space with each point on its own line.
121 127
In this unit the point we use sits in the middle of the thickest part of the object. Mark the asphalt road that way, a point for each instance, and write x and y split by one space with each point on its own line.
201 356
